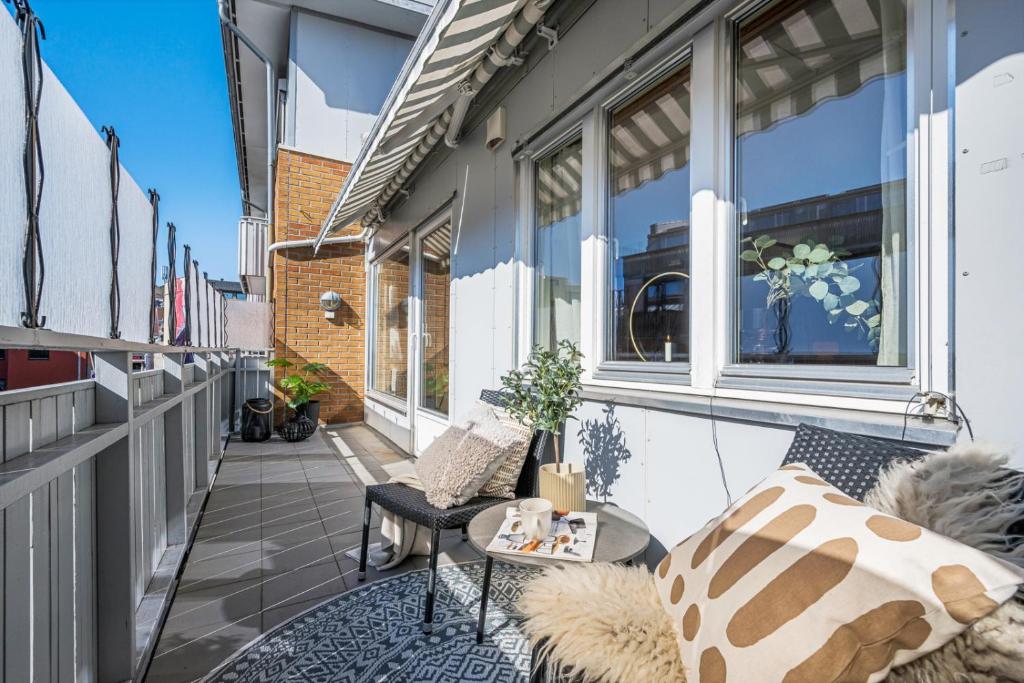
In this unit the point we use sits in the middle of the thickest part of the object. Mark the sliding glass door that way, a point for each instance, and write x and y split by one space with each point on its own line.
410 323
432 295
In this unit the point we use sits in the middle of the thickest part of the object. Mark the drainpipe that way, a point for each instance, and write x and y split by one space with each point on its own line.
225 20
298 244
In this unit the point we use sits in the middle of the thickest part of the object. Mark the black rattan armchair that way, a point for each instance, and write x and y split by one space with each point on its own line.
412 504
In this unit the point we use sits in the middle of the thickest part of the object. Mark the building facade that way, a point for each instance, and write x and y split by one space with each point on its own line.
332 65
748 214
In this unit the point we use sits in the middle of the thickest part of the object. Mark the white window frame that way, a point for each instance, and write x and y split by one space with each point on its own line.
707 41
417 317
384 398
526 243
670 373
871 381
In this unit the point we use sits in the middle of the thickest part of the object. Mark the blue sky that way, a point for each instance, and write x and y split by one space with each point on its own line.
155 71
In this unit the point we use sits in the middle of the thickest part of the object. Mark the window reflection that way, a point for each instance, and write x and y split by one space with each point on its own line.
821 156
558 197
649 217
437 272
391 324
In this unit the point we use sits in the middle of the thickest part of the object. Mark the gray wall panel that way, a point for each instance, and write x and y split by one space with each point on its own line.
989 176
17 595
17 429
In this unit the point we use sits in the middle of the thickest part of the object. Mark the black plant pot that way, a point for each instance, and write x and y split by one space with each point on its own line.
299 429
310 409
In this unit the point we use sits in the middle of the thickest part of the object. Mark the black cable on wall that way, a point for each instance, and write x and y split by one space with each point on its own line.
154 201
172 284
114 143
206 280
199 319
188 296
33 266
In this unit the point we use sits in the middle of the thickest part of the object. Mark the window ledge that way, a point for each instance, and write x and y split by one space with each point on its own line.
660 373
864 422
822 387
387 401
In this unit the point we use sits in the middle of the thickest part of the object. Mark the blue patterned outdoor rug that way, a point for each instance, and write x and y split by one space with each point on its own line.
372 635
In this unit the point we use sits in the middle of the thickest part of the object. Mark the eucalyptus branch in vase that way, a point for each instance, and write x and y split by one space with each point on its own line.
545 392
817 271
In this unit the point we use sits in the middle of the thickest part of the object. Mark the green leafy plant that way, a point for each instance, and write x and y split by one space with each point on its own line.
435 381
817 271
302 387
545 392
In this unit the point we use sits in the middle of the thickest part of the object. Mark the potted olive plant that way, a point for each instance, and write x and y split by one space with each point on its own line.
301 387
543 395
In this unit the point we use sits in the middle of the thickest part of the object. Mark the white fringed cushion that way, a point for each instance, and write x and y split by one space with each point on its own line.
798 583
502 483
466 455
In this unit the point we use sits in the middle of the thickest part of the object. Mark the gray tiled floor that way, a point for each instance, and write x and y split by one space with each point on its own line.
272 544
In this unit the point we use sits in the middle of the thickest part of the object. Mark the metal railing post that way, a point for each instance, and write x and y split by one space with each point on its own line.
216 366
201 420
115 522
176 489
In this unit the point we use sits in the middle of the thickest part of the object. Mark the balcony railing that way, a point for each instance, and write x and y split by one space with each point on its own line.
102 481
101 488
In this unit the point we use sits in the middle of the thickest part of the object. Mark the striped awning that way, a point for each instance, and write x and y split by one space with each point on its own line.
457 36
650 135
560 184
792 58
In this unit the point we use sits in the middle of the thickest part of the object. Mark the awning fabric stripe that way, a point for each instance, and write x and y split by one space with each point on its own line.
829 50
830 53
465 30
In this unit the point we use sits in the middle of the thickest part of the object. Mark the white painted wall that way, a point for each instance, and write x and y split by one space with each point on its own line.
339 74
989 235
671 477
74 213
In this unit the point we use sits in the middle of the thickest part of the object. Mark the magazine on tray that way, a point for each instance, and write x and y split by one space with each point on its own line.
571 537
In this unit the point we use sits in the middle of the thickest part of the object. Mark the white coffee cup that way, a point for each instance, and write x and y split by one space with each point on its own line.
535 515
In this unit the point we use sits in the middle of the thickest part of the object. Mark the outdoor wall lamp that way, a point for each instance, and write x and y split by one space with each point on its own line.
330 301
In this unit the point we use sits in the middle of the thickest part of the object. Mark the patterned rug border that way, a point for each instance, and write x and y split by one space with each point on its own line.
284 624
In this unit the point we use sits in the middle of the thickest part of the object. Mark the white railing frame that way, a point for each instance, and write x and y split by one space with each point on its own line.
88 556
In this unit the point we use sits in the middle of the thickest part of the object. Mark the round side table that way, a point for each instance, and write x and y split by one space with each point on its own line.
621 537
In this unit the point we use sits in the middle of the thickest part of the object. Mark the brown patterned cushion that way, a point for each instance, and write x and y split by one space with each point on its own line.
466 455
798 583
502 483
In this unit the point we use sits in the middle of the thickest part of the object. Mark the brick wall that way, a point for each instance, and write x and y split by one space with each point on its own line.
305 189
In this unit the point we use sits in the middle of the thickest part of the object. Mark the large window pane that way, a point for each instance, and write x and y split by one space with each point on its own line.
649 216
558 195
821 161
437 274
391 324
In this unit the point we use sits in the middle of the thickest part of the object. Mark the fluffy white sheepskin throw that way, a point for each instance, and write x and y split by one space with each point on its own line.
603 622
967 495
964 493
